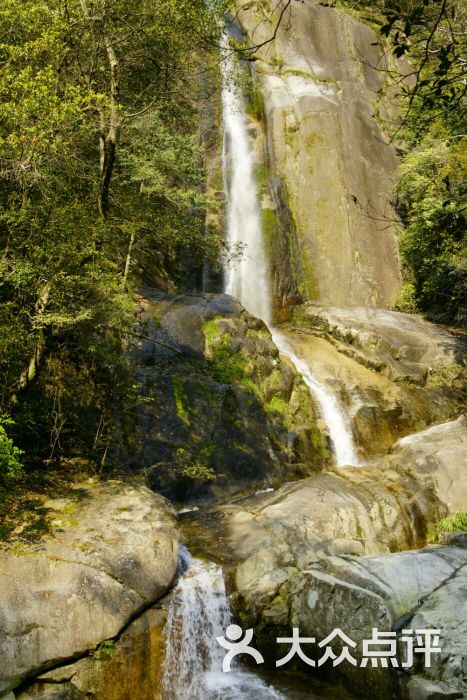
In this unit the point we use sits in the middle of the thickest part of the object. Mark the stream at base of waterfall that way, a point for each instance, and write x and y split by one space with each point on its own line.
199 612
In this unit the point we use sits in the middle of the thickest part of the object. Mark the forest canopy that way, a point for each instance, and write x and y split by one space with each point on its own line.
102 183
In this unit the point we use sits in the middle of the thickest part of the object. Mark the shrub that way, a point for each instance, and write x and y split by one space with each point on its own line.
453 523
10 465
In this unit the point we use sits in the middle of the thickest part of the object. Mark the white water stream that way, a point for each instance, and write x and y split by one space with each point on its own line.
199 612
332 412
248 280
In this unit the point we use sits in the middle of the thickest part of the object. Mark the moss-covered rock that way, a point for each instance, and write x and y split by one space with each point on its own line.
220 412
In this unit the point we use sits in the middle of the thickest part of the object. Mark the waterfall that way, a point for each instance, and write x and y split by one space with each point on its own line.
332 412
199 611
248 280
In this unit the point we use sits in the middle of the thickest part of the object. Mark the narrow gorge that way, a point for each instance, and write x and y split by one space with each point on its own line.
296 441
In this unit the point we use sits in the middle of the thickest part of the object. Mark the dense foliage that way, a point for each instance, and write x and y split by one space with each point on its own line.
101 183
425 48
433 242
432 188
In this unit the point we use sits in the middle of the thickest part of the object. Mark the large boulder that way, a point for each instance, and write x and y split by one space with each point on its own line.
387 506
423 590
271 536
321 553
384 508
220 412
111 551
437 457
131 667
352 510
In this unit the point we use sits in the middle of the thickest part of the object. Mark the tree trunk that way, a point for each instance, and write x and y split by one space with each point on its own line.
109 138
30 373
109 125
128 258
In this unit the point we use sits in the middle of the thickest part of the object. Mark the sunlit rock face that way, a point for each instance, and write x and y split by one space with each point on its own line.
110 551
394 373
324 144
322 553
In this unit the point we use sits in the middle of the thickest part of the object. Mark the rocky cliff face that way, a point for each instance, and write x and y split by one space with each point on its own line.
383 508
321 554
395 373
326 154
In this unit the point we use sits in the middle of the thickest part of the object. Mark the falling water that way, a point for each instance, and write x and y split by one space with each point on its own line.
333 414
199 612
248 280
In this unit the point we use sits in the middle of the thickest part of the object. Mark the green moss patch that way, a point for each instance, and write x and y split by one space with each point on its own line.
269 227
180 400
227 367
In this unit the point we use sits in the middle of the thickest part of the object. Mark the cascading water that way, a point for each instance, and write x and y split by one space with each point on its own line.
199 612
333 414
248 280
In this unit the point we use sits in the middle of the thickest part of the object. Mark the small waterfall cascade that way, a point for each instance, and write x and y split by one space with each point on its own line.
248 280
332 412
199 612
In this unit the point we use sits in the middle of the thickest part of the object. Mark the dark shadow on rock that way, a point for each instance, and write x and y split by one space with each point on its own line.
219 412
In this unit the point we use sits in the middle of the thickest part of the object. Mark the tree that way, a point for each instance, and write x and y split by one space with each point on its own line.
100 167
433 37
424 57
10 465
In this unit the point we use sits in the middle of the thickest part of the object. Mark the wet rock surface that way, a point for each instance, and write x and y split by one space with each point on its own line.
324 144
321 553
385 507
396 344
111 550
130 667
395 373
